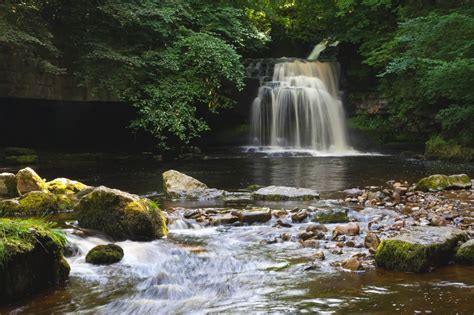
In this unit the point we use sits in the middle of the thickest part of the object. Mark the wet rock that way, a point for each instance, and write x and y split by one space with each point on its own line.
352 264
237 199
177 185
255 216
371 242
350 229
8 185
254 187
225 219
283 224
353 192
437 220
121 215
65 186
285 237
104 254
314 228
331 216
319 255
282 193
311 243
440 182
419 248
279 213
28 180
305 235
299 216
465 253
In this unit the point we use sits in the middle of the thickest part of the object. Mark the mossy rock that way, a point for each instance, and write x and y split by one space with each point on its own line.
440 182
31 258
28 180
104 254
36 203
419 248
8 186
331 216
21 159
65 186
18 151
254 187
465 253
121 215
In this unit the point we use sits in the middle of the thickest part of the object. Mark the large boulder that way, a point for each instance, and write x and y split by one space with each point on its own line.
35 203
419 248
65 186
104 254
121 215
282 193
465 253
28 180
31 258
441 182
177 185
8 185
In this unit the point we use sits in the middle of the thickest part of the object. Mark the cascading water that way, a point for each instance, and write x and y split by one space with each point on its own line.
301 109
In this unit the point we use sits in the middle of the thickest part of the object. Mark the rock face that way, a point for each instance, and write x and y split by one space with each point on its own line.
419 248
31 258
65 186
8 185
121 215
465 253
177 185
104 254
28 180
282 193
441 182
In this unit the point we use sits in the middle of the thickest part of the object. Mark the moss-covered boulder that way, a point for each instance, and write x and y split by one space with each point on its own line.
440 182
65 186
331 216
28 180
35 203
283 193
31 258
8 185
419 248
121 215
104 254
177 185
465 253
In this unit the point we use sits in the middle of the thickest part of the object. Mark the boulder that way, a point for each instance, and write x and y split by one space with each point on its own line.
104 254
371 242
31 258
121 215
255 216
283 193
419 248
465 253
331 216
350 229
8 186
35 203
177 185
28 180
65 186
441 182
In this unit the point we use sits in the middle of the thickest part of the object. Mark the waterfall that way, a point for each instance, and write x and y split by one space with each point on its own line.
300 108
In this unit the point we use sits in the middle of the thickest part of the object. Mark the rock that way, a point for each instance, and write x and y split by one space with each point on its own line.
371 242
31 258
441 182
283 224
35 203
254 187
319 255
121 215
255 216
353 192
104 254
299 216
285 237
65 186
177 185
225 219
311 243
314 228
436 220
419 248
331 216
8 185
282 193
28 180
305 236
352 264
279 213
465 253
346 229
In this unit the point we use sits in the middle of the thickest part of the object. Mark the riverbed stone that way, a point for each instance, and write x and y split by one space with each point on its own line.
65 186
315 228
419 248
465 253
28 180
371 242
121 215
327 216
8 185
349 229
352 264
284 193
255 216
177 185
440 182
104 254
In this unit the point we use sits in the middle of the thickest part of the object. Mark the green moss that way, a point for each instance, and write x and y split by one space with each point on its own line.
440 149
21 159
254 187
465 253
65 186
331 216
433 182
104 254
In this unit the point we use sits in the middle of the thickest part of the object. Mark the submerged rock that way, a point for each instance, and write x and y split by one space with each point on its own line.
282 193
31 258
441 182
331 216
419 248
8 185
121 215
104 254
465 253
177 185
28 180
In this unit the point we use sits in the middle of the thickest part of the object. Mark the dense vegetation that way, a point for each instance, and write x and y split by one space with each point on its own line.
173 60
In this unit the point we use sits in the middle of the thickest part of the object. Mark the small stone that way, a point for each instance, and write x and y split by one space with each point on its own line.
352 264
346 229
319 255
311 243
315 227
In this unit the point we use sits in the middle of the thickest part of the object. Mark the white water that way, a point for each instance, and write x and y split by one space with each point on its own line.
300 109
